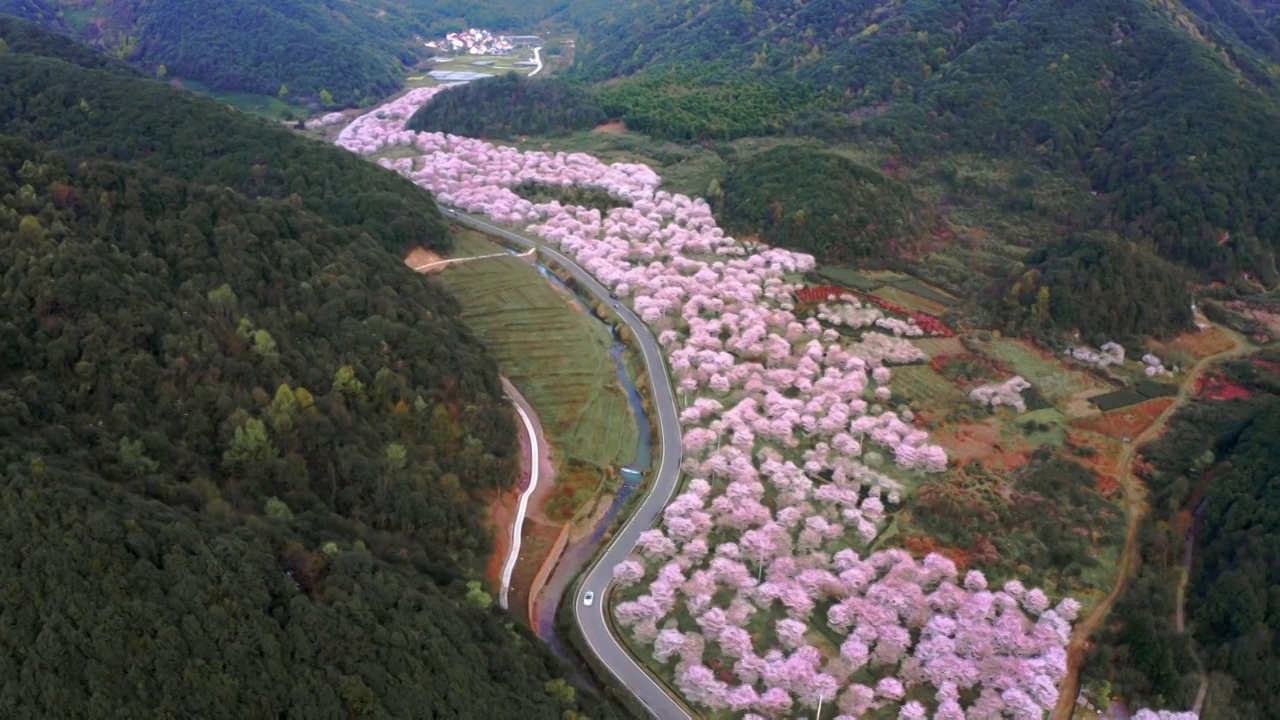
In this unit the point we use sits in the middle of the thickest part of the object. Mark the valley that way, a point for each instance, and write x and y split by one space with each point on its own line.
1057 421
900 361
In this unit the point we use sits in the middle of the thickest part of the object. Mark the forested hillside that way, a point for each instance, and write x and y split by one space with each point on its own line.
1170 110
1213 480
88 112
1101 288
508 106
355 51
294 48
244 448
821 203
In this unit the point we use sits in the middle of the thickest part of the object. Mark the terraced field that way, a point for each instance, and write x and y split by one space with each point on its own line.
554 353
925 385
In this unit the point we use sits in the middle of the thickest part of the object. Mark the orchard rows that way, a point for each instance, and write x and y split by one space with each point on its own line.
757 588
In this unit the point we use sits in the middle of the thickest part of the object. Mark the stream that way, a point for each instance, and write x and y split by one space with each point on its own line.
577 553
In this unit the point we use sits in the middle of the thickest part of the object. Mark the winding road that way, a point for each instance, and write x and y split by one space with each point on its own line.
592 619
1135 502
535 466
537 57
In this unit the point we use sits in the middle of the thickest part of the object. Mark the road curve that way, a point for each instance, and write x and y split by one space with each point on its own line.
537 57
535 466
1135 502
591 620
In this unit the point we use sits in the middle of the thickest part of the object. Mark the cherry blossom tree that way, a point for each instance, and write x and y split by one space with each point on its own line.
785 430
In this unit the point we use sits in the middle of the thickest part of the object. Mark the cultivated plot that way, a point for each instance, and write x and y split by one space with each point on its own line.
553 351
1056 382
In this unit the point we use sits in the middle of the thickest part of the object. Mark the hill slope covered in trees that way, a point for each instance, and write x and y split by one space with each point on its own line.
244 448
507 106
821 203
110 114
1213 479
1169 110
355 50
1098 287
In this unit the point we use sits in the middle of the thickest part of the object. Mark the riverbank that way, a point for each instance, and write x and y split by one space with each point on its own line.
576 374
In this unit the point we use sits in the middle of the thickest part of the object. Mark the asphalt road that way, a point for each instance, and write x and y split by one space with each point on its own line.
591 620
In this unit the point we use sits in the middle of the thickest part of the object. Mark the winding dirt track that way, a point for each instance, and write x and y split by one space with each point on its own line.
534 446
1135 506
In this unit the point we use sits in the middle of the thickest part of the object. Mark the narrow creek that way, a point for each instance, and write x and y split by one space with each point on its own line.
578 552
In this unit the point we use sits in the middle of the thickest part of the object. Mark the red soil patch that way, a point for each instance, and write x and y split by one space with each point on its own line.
821 293
421 256
1201 344
1126 422
617 127
502 512
1108 487
921 545
1271 365
981 442
1218 387
1103 460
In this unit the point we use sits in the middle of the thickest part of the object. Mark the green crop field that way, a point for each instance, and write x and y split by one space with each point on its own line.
1049 375
266 106
923 384
847 277
554 353
1118 399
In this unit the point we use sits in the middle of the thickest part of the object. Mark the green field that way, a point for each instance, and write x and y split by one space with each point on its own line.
272 108
554 353
922 384
1054 381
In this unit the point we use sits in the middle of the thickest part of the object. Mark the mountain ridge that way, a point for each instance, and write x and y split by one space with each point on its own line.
1180 141
246 451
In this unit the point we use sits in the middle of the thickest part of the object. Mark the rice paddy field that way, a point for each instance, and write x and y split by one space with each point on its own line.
555 353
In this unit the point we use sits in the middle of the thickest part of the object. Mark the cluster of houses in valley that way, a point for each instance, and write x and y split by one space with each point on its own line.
482 42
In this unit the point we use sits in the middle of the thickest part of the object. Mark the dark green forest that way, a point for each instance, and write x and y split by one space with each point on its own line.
1104 288
1214 480
508 106
820 203
245 450
294 48
1178 130
72 106
684 106
590 197
356 51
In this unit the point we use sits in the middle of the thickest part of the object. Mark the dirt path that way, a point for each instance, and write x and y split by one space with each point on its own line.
532 447
1135 507
1180 623
503 507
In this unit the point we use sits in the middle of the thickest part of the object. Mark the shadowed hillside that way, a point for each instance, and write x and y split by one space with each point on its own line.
246 451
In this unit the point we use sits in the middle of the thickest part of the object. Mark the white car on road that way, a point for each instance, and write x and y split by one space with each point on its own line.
589 598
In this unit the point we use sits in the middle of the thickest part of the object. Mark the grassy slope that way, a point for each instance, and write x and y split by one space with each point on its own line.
555 354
